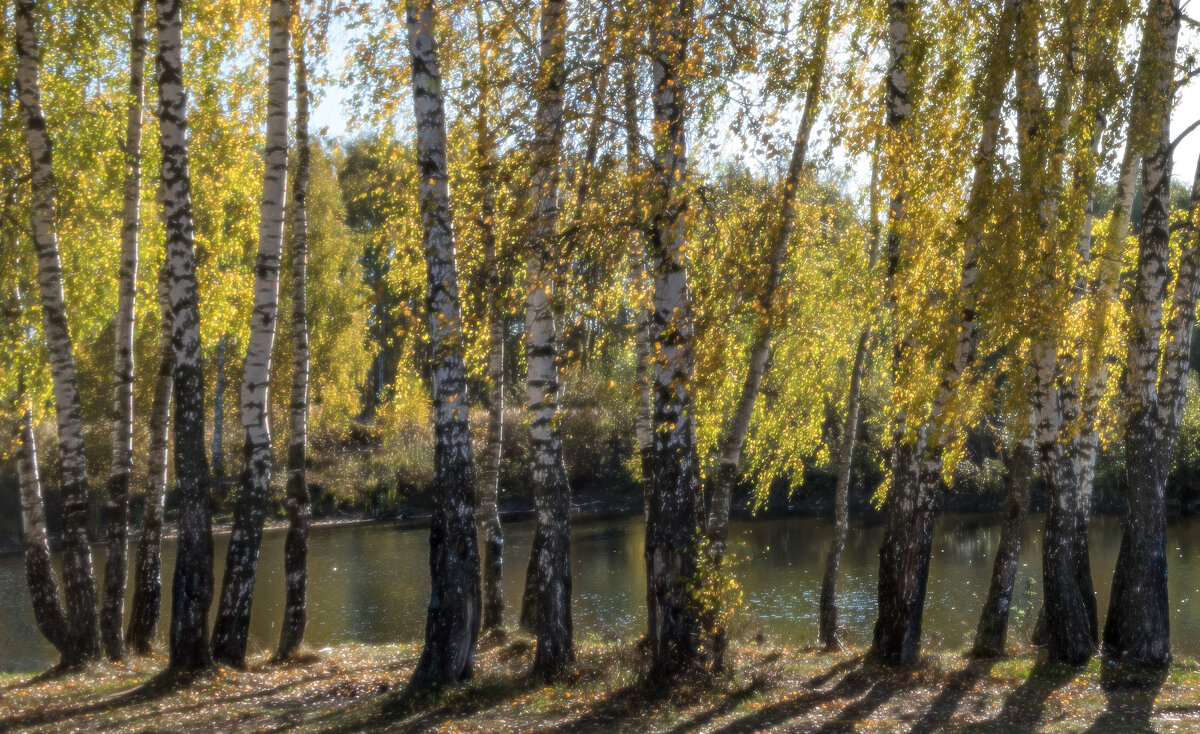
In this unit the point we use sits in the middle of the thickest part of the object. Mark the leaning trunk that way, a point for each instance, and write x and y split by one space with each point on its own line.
452 624
232 629
551 559
992 632
117 507
299 505
192 583
734 436
79 579
147 580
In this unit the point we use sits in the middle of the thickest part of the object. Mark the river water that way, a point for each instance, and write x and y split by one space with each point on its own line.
369 583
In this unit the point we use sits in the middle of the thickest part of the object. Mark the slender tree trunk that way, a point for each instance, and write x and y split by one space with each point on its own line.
1138 626
827 631
551 559
218 432
192 583
147 577
79 579
452 625
299 505
992 632
828 623
117 507
39 570
232 628
675 501
733 438
489 479
637 249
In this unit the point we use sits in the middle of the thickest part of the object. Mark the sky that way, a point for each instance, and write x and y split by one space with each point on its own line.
332 112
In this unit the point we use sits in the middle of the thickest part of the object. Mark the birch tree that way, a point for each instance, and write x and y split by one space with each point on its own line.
79 580
733 437
551 562
40 577
299 504
192 582
232 628
117 504
1137 629
917 458
489 479
147 576
452 623
675 501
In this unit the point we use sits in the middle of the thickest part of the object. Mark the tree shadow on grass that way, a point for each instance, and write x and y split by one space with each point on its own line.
1025 705
857 681
944 706
1130 694
419 712
160 686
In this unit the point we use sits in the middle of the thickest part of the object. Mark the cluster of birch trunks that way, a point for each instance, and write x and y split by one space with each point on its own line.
686 534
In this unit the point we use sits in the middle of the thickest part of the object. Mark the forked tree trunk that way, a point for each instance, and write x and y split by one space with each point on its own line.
192 582
452 624
147 575
917 460
112 614
79 579
232 629
1138 626
733 438
675 500
551 556
299 504
991 634
489 478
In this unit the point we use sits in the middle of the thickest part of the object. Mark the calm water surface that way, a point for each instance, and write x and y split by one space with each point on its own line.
370 583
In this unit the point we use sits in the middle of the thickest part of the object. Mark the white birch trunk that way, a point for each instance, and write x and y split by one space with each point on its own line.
299 504
117 503
79 579
192 582
452 623
232 628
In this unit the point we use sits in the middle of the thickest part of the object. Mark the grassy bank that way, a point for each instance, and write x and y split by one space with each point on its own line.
358 687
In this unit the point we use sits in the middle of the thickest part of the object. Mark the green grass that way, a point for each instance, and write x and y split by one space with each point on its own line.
360 688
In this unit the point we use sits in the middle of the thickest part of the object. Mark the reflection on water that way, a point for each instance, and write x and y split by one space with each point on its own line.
370 583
